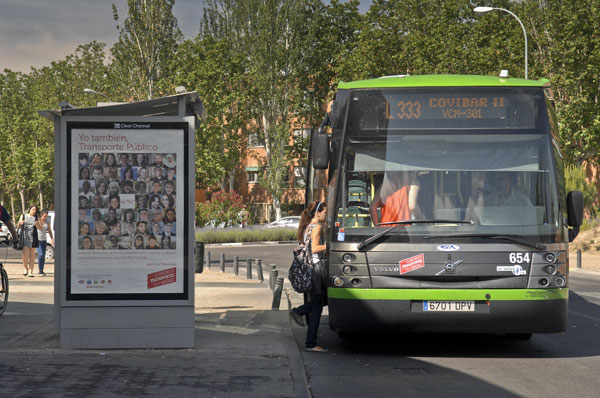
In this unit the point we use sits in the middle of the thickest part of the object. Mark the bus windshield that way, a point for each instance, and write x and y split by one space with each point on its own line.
491 177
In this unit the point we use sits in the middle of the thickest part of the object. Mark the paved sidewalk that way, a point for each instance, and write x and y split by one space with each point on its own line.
243 348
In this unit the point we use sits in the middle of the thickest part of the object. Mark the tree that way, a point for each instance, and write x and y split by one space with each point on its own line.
209 65
17 153
576 180
566 37
147 39
280 48
63 80
432 37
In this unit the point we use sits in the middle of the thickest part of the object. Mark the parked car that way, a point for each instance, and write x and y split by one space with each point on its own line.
285 222
4 234
50 247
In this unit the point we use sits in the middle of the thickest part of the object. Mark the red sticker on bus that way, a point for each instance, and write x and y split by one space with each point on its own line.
163 277
412 263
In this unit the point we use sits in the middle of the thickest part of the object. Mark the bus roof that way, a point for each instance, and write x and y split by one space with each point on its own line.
442 81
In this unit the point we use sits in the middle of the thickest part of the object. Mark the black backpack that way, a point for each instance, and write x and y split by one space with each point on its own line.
300 273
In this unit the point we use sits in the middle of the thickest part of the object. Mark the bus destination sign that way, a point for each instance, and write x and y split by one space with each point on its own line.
417 106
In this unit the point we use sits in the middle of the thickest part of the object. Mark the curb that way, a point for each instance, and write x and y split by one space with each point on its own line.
584 271
284 242
296 360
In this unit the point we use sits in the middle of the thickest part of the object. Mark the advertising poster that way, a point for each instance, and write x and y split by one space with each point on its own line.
127 192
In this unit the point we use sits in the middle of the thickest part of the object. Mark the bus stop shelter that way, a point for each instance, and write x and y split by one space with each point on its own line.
124 199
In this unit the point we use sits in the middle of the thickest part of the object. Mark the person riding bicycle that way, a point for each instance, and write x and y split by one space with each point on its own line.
5 218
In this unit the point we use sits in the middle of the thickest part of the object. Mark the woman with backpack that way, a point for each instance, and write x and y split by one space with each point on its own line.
310 232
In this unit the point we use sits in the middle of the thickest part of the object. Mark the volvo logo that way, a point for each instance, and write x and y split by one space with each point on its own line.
450 267
448 248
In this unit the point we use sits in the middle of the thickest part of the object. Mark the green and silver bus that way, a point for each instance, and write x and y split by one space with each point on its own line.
471 256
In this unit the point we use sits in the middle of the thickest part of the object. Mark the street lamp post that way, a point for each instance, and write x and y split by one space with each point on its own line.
90 91
483 10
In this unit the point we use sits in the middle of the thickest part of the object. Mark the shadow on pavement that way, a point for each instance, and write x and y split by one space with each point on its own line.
237 354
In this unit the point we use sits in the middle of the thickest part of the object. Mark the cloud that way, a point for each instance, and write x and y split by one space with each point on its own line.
37 32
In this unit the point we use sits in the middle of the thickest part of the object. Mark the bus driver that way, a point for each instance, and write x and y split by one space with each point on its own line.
505 194
396 196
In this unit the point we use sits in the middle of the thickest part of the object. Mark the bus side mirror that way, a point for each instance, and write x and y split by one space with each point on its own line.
574 213
320 151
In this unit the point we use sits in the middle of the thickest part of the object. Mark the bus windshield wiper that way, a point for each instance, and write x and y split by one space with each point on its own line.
511 238
397 224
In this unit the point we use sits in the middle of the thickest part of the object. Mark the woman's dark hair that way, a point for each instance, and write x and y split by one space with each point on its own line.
112 156
127 170
81 172
144 162
307 216
111 197
165 242
126 212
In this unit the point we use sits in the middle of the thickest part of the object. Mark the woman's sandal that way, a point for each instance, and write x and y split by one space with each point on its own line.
317 348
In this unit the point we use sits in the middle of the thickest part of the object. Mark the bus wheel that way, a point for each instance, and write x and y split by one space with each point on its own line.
519 336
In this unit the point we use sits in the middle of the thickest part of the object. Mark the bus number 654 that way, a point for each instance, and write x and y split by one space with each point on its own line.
518 258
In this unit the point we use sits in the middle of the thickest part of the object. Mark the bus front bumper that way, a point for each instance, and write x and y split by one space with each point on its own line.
482 311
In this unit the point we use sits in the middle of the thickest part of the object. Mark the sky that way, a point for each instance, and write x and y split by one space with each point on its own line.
33 33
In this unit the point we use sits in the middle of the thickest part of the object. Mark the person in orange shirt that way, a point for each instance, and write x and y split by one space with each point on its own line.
397 197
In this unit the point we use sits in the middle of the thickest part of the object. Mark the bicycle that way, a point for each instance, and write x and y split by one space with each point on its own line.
3 287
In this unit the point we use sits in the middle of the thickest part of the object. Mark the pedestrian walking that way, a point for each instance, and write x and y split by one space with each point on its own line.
310 232
29 223
42 229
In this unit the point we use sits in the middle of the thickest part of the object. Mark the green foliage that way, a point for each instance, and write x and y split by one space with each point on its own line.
589 223
210 66
575 180
282 68
269 67
225 209
147 40
237 235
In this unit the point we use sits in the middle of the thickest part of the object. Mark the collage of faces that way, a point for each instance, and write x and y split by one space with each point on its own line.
126 201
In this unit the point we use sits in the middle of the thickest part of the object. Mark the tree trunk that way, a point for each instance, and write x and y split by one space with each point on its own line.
22 194
12 207
232 180
277 207
41 196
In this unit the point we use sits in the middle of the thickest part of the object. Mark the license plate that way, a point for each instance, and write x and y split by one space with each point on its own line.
449 306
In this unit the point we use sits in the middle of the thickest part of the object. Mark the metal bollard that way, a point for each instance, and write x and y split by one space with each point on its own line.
578 258
259 270
236 266
199 259
208 259
248 269
222 262
272 276
277 294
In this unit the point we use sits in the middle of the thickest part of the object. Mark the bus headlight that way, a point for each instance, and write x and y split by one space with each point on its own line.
346 269
544 282
347 258
339 282
550 257
560 281
550 269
